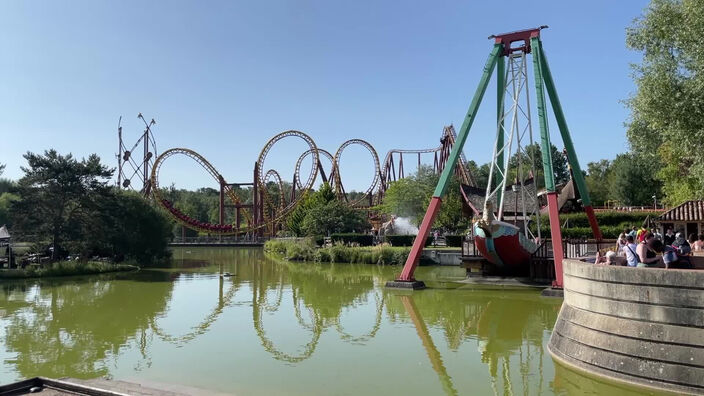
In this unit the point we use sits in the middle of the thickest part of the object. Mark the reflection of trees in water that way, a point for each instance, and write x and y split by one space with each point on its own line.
505 326
66 326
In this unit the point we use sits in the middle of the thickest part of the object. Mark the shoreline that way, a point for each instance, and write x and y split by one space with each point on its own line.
66 268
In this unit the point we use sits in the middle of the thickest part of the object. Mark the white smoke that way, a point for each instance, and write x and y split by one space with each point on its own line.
403 226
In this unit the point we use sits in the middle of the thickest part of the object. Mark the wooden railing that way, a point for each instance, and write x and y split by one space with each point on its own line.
572 248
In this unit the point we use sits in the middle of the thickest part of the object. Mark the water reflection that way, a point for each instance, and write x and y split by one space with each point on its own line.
61 328
430 349
223 301
277 316
509 330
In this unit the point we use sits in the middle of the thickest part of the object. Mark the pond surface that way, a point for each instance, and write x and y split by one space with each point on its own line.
284 328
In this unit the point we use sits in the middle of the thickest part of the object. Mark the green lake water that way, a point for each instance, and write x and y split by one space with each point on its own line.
285 328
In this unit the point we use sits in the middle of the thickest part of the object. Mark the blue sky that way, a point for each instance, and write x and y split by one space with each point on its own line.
223 77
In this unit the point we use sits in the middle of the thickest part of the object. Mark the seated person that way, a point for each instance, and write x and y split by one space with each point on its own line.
629 249
670 256
620 243
608 259
681 245
698 246
646 255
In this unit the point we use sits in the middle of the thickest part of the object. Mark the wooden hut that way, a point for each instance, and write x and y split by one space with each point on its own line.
687 218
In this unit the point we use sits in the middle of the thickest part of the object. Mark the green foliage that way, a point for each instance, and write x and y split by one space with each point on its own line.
66 268
294 221
405 240
132 229
454 240
667 110
450 216
68 204
303 250
320 213
7 185
59 194
628 180
409 197
597 180
611 224
480 173
632 180
353 238
534 152
6 200
333 217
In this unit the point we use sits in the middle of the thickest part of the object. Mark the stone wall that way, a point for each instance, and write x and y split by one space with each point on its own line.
644 326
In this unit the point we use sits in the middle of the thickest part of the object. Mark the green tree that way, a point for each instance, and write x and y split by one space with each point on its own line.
58 196
667 110
130 228
534 152
480 173
408 197
69 204
6 200
294 221
320 213
631 180
597 180
450 216
333 217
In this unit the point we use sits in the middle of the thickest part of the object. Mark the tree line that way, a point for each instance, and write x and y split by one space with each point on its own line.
66 206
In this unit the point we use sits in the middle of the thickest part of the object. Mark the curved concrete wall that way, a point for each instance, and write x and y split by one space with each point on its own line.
639 325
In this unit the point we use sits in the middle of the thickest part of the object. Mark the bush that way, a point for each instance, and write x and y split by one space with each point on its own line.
611 224
454 240
405 240
299 250
303 250
67 268
351 238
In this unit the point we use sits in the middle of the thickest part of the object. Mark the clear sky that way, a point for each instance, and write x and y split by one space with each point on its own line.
223 77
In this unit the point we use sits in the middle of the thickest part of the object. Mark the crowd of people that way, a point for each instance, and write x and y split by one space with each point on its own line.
648 248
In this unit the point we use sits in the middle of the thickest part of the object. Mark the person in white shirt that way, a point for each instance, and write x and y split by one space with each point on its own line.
630 250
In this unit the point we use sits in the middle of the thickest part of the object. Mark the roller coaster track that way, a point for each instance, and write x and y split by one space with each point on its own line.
392 172
204 325
372 333
259 303
266 212
180 217
326 154
264 177
339 188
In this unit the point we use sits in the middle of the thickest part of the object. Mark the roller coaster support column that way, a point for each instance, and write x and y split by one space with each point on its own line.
500 86
222 201
567 140
255 198
406 280
549 174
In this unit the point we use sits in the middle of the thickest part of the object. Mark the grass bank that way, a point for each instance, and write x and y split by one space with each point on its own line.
65 268
306 250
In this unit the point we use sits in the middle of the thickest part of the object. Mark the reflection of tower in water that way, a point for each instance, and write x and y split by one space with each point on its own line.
508 331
